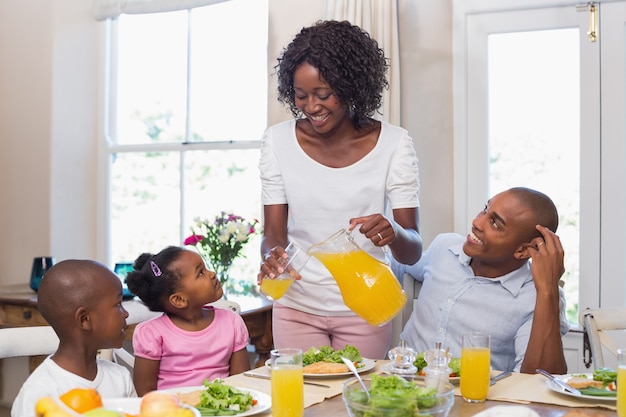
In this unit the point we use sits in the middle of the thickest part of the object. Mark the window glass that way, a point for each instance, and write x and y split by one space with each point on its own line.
214 184
224 86
534 128
180 77
152 78
145 195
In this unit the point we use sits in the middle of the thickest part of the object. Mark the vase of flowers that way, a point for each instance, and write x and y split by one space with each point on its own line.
221 240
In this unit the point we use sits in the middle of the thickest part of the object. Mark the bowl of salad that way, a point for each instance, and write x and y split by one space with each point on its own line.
392 395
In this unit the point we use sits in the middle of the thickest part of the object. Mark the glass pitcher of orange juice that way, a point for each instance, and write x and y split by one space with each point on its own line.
368 286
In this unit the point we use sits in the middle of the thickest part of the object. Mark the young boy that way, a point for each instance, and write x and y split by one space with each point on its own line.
82 301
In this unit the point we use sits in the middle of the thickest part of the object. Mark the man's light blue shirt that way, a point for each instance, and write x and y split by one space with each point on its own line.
453 301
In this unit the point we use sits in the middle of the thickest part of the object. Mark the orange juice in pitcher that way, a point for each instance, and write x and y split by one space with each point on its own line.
368 286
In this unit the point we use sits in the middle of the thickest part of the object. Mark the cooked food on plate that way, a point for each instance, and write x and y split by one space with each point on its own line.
580 382
217 398
326 360
601 383
325 368
579 413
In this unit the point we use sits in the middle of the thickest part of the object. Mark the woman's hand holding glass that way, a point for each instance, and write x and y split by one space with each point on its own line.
280 269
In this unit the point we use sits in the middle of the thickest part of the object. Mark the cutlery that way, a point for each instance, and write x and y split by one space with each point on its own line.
560 383
250 374
351 366
499 377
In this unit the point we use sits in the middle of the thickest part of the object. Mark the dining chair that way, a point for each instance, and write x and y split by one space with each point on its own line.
42 341
412 289
27 341
228 304
138 312
605 331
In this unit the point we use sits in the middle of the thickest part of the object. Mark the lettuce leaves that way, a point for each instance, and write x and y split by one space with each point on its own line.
392 396
220 396
328 354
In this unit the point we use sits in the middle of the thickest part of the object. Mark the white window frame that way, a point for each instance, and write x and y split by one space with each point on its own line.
108 147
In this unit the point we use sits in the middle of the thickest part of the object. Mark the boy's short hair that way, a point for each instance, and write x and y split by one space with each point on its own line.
66 286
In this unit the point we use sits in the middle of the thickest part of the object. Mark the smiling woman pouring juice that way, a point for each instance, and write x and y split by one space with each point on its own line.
334 167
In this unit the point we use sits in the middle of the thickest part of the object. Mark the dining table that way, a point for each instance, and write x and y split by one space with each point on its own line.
322 395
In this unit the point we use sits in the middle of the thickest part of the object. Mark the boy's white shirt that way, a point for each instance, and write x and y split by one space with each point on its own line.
50 380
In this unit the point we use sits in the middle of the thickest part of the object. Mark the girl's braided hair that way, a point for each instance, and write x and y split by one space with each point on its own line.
153 279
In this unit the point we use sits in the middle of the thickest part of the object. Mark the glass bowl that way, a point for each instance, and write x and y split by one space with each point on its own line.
359 405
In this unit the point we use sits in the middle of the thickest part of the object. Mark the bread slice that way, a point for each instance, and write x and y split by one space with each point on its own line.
580 383
191 398
325 368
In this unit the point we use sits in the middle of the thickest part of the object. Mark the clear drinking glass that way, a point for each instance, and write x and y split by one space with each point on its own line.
274 288
475 367
621 382
287 383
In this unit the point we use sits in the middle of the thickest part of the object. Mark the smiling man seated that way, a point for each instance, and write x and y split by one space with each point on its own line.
501 279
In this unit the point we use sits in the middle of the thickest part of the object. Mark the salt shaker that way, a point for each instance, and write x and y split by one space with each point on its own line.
437 371
402 358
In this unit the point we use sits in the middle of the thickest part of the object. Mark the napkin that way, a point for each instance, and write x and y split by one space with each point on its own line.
528 388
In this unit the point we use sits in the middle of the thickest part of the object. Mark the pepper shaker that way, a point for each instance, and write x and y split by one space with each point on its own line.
437 370
402 358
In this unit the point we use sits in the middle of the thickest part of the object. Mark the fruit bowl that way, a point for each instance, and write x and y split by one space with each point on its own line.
432 404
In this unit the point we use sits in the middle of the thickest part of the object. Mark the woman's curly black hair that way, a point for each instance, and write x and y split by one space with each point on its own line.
153 279
349 60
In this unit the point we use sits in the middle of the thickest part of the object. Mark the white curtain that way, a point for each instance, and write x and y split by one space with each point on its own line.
104 9
380 19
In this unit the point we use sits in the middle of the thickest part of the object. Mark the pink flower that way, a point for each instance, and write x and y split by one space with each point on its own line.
193 239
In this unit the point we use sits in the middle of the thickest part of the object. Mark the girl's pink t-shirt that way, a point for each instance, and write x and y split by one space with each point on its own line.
188 358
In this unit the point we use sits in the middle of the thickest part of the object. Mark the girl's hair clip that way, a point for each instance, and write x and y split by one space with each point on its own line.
155 269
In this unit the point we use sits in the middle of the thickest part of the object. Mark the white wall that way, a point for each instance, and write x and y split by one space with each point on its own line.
426 72
49 72
48 76
25 131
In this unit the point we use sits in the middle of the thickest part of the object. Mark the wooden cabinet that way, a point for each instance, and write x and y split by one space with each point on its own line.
18 307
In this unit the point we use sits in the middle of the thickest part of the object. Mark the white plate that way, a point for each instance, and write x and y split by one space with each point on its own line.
557 388
368 364
386 370
264 401
132 405
508 411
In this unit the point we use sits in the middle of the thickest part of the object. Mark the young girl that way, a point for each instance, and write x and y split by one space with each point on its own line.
190 341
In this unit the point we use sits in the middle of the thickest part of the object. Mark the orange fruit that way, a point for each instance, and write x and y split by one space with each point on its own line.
82 399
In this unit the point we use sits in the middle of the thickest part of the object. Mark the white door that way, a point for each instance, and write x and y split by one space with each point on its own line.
545 109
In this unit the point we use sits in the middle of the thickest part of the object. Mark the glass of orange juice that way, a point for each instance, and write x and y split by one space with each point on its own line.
475 367
274 288
621 379
287 383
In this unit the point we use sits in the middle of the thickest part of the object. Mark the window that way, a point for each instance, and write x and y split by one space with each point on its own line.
188 107
531 144
544 108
